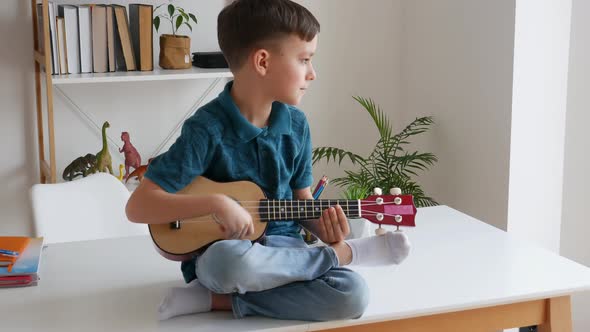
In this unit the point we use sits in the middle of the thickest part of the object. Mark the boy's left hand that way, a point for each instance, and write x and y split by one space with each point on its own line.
333 225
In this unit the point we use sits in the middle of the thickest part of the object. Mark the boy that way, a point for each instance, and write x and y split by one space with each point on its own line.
251 132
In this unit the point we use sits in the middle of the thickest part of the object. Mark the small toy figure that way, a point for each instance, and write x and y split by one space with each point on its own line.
132 157
80 166
120 177
103 157
139 172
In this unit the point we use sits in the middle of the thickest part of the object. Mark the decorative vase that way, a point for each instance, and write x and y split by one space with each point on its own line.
175 52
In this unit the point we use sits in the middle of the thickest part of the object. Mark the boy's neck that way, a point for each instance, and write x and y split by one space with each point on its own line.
252 104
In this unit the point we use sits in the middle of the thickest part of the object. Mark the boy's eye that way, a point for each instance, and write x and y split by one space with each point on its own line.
305 60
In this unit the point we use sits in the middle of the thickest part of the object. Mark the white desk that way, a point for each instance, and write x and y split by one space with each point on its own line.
461 275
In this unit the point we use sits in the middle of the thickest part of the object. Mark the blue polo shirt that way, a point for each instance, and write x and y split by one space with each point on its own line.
219 143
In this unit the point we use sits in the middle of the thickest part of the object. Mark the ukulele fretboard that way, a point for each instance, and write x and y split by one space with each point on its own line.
280 209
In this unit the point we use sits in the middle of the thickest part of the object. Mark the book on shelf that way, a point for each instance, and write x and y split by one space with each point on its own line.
72 36
52 34
141 24
123 38
25 269
117 48
111 39
85 29
61 45
99 38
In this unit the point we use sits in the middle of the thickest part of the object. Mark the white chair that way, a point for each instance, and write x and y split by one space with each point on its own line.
85 209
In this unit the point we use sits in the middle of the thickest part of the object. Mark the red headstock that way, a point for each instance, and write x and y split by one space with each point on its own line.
396 210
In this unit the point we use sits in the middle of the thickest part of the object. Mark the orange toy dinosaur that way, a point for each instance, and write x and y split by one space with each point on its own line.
139 172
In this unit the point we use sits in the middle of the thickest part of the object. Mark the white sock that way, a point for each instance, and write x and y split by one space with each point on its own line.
386 249
191 299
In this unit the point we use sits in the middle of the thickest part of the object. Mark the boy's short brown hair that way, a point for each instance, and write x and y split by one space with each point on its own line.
248 24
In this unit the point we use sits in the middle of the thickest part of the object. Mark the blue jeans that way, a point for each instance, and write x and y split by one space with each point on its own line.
282 278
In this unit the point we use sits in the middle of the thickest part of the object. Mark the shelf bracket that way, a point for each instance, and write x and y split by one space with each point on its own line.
188 113
113 145
88 117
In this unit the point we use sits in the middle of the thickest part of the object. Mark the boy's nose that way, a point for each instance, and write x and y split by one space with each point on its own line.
311 75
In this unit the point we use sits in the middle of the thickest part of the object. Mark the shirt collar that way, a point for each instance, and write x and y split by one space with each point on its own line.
279 122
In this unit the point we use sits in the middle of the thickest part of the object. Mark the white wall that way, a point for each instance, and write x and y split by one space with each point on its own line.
457 66
359 53
576 180
541 50
17 146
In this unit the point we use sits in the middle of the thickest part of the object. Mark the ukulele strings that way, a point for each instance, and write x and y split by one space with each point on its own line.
256 204
258 214
256 207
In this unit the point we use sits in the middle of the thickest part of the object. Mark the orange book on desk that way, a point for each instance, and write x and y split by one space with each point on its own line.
12 243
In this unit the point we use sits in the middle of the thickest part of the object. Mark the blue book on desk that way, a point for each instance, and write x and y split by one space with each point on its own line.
27 264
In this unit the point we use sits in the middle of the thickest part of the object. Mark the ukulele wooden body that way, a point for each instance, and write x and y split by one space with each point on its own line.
197 233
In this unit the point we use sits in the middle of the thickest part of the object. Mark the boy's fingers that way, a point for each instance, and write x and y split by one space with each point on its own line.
328 224
335 225
343 221
233 232
251 229
226 232
322 226
244 232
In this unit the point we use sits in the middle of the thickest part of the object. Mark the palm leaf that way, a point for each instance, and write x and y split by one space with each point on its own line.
418 126
412 162
355 192
329 153
380 119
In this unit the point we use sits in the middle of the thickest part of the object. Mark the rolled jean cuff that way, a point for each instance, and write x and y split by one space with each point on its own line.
332 253
235 306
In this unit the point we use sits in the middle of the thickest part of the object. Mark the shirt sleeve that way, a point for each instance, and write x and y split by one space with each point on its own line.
302 176
186 159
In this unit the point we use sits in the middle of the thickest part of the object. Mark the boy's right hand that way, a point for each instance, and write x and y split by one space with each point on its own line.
234 220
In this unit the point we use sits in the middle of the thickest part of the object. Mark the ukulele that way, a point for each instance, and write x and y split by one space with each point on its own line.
181 239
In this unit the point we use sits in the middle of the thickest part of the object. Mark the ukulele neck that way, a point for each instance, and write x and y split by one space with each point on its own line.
281 209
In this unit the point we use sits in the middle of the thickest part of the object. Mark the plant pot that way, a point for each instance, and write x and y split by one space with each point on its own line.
175 52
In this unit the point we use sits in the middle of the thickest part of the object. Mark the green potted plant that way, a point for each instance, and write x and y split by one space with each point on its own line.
174 49
389 165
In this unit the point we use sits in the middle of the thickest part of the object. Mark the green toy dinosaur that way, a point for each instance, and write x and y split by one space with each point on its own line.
103 157
80 166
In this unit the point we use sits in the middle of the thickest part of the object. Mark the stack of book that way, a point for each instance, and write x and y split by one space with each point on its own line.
98 38
19 260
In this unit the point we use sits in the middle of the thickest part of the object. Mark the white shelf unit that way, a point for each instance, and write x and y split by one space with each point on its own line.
48 172
157 74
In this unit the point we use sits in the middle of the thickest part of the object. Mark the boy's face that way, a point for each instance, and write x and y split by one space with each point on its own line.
290 70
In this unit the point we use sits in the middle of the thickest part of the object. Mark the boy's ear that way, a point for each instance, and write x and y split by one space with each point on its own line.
260 59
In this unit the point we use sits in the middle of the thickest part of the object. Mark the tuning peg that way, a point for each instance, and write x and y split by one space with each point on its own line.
377 191
380 231
395 191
